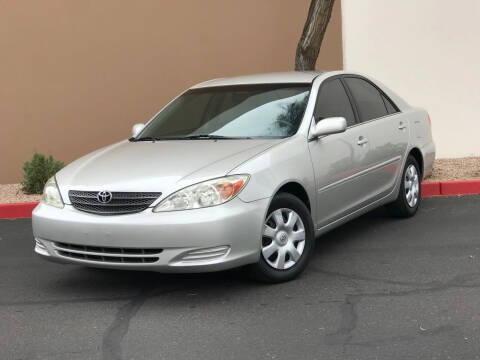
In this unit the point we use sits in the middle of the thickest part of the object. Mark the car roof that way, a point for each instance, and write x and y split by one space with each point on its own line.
293 77
268 78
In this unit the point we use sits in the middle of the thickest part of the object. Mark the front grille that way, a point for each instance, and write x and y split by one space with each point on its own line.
121 202
108 254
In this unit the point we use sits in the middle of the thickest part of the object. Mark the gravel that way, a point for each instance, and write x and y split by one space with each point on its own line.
444 169
456 169
12 193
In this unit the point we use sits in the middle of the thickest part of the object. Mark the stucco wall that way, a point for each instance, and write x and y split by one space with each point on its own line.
428 51
76 75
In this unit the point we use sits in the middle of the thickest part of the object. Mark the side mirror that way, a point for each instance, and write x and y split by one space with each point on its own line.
136 129
327 126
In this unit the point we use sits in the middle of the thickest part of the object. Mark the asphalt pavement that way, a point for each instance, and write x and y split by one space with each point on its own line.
376 288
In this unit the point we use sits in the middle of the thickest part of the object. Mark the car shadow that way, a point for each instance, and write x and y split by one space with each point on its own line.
125 283
352 230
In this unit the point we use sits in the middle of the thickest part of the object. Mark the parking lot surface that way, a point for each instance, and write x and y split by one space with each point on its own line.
376 288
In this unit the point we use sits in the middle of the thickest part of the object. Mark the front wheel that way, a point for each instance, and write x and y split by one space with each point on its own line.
410 194
288 240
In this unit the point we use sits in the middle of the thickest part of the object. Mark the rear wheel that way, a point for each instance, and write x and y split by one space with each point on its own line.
410 194
287 240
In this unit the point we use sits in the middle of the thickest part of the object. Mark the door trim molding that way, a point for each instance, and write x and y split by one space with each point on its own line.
359 174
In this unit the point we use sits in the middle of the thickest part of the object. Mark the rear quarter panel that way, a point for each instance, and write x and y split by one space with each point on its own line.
421 136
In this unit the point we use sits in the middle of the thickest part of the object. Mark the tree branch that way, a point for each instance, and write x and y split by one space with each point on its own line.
313 32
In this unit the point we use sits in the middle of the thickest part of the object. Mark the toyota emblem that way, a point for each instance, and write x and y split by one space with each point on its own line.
104 197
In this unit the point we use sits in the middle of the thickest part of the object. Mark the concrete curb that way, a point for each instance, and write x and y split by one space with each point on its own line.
429 188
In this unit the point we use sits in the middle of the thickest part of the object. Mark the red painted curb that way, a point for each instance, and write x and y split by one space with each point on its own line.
429 188
449 188
460 187
17 210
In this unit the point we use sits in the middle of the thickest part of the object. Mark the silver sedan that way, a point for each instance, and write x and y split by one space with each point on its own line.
244 171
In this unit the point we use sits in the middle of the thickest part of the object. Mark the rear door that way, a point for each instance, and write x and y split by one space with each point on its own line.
336 158
384 129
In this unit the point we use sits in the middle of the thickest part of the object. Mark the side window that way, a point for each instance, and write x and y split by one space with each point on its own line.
333 101
369 100
390 107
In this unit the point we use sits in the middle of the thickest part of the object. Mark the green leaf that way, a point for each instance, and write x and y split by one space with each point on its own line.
37 171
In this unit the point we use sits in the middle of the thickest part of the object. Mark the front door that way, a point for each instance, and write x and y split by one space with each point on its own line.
336 158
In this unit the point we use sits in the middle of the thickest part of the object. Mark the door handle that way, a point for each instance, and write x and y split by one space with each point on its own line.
402 126
362 141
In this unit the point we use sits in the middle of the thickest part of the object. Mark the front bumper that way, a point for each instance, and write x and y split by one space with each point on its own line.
209 239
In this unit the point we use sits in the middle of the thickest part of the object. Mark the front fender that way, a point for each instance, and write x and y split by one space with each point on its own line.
269 171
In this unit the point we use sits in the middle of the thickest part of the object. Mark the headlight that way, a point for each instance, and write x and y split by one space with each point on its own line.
51 195
204 194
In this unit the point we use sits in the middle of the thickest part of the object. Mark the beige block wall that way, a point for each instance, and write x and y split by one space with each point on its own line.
428 51
76 75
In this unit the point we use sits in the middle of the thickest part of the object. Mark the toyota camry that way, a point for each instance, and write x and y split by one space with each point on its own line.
245 171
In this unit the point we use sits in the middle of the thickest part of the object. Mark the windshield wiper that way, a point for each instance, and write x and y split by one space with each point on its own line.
213 137
145 138
188 137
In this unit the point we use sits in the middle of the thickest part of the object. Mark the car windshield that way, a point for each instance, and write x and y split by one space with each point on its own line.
243 111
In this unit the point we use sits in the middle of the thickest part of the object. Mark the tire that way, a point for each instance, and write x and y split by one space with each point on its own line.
279 239
404 206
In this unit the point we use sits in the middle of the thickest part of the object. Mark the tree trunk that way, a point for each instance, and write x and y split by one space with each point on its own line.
313 32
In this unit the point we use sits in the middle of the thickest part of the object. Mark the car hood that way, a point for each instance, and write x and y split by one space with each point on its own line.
161 166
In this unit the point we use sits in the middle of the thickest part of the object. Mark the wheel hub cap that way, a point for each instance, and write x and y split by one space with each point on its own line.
283 239
412 186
